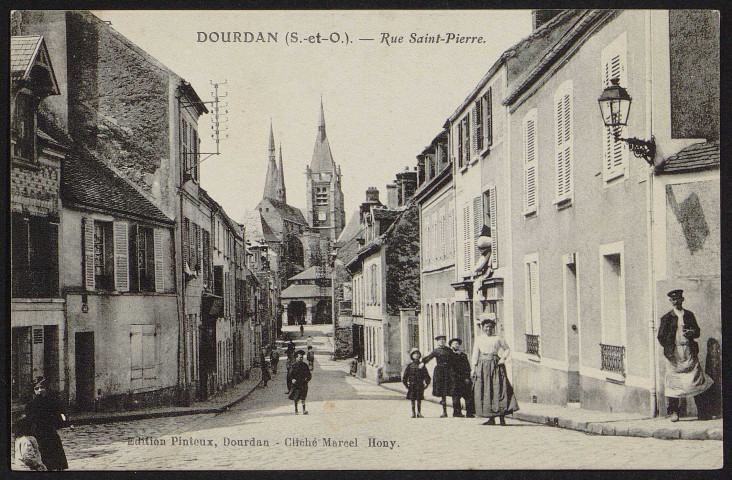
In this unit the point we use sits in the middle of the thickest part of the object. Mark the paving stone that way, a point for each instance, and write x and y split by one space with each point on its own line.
608 429
641 431
595 428
667 433
715 433
693 434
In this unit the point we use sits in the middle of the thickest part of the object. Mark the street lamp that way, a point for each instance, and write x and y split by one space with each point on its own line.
615 108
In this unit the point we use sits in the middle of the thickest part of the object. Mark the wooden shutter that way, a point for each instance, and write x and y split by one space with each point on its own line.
88 234
466 139
614 66
488 109
159 264
121 257
494 223
530 165
136 362
478 125
460 144
186 242
467 240
477 222
563 145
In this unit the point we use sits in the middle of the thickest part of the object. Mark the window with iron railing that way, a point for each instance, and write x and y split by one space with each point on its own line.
532 344
613 358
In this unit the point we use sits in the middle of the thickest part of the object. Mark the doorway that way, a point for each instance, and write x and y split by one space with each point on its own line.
571 317
84 367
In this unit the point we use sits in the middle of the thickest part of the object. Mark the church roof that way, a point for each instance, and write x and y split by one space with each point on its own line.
271 182
352 228
287 212
252 222
322 157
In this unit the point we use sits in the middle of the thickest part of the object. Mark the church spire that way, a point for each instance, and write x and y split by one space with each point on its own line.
271 181
281 192
322 157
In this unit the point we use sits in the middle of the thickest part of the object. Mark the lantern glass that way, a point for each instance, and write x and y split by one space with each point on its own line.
614 105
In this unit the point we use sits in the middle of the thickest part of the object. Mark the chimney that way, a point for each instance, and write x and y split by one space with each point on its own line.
372 195
407 183
392 200
541 16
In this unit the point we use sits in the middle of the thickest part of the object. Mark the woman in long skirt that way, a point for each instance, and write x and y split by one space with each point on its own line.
492 392
44 413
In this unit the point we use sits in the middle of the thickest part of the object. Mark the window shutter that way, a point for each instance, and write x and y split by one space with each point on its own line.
467 255
614 66
466 140
186 242
136 357
477 222
159 272
478 125
121 257
488 107
530 165
88 228
494 224
460 144
568 144
474 131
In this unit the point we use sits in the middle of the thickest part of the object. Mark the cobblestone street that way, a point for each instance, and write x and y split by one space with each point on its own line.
345 409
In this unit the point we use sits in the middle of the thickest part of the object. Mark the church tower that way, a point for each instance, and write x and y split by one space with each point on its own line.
281 192
271 182
326 212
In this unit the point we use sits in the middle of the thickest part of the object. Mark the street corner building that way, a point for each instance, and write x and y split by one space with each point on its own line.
572 239
130 283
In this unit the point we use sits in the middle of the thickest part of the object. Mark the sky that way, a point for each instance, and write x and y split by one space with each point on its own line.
383 102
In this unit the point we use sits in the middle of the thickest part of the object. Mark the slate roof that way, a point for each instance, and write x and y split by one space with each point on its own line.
352 228
322 157
88 182
23 50
309 274
288 212
252 223
699 156
301 291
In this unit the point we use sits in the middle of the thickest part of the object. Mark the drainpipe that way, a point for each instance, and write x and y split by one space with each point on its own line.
653 347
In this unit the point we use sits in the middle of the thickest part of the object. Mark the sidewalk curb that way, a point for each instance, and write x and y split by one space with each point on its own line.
597 428
132 416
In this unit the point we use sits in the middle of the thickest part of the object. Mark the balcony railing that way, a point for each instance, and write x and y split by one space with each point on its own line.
613 358
532 344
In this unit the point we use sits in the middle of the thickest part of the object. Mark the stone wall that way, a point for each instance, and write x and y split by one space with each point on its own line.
118 99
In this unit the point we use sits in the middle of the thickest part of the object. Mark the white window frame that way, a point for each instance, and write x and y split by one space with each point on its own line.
619 48
528 209
528 306
615 248
563 145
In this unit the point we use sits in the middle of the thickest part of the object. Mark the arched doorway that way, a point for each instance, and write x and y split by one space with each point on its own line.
296 313
322 312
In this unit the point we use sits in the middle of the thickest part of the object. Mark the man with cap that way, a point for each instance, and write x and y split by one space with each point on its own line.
441 376
461 386
298 381
677 335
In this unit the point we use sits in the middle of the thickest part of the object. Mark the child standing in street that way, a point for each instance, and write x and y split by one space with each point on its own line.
311 358
416 379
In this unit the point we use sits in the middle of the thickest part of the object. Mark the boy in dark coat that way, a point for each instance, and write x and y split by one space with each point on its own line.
462 386
298 381
416 379
441 383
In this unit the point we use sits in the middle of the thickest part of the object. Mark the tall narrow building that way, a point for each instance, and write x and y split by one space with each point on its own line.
325 210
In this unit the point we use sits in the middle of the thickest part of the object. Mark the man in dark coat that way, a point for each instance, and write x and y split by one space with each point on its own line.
263 364
44 413
298 379
441 376
462 386
684 375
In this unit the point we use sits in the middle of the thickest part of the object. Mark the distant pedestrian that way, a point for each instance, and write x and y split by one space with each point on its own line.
274 359
311 358
309 341
416 379
492 391
27 453
299 377
685 378
302 330
441 381
461 385
44 413
263 364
